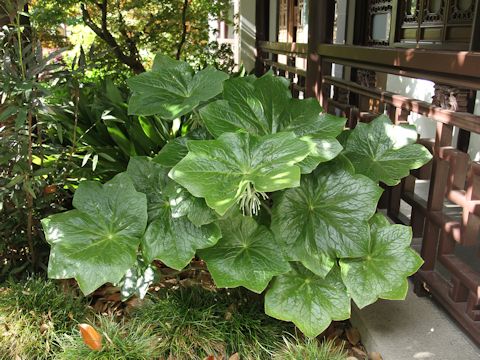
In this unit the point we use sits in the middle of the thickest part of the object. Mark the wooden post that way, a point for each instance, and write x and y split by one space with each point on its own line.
262 15
321 15
475 38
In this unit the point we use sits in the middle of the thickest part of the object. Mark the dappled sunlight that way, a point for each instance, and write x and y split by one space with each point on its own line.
280 176
423 355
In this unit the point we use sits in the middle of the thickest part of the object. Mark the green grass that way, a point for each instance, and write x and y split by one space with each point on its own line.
122 340
194 323
32 314
38 320
294 349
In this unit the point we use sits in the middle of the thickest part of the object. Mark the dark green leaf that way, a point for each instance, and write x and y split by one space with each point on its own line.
172 152
151 179
309 301
246 255
175 241
172 89
381 270
97 243
326 217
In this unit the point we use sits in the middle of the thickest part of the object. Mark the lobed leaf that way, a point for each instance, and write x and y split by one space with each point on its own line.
246 255
151 179
385 152
175 241
221 170
97 242
326 217
381 270
171 89
309 301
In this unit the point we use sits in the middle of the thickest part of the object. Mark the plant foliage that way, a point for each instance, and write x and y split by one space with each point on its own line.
267 197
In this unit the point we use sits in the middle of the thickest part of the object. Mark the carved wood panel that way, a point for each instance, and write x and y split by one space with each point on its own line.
438 23
379 15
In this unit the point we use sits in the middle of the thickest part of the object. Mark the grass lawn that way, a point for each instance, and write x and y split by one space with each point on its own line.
38 320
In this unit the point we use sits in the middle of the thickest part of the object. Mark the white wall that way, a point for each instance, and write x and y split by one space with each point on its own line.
272 30
417 89
423 90
247 34
474 148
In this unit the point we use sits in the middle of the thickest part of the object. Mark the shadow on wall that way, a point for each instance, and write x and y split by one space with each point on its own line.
248 50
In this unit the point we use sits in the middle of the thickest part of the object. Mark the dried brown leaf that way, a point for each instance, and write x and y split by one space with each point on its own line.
353 335
91 337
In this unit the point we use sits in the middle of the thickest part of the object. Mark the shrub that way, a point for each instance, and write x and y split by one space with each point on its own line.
259 188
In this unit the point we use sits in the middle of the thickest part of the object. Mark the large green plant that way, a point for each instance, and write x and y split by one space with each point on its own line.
267 197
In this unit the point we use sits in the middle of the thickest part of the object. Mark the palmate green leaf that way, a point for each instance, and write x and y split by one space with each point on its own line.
246 255
151 179
222 170
385 152
97 242
265 106
171 89
174 241
309 301
326 217
382 269
176 149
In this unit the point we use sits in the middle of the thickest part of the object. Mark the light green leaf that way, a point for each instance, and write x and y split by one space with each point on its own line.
97 243
399 293
172 89
385 152
246 255
326 217
151 179
306 117
174 241
386 262
137 280
309 301
182 203
265 106
224 170
322 150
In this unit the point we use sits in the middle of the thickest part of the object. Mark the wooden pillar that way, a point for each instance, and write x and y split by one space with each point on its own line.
262 18
321 15
475 38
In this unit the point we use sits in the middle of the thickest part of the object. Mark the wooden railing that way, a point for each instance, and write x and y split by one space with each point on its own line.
444 195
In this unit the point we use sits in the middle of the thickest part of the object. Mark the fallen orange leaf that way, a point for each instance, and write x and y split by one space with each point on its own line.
91 337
